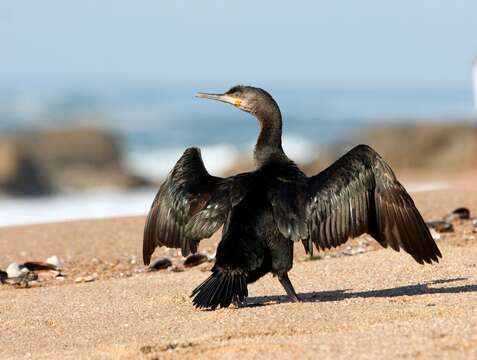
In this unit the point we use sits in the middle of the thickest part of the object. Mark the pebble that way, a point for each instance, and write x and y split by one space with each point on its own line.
474 224
24 275
30 276
160 264
349 251
177 268
56 273
23 279
89 278
21 283
86 279
195 259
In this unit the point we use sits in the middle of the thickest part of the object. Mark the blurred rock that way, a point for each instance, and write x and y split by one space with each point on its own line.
69 159
420 148
19 174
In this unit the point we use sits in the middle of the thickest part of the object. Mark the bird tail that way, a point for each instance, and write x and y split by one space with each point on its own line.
221 289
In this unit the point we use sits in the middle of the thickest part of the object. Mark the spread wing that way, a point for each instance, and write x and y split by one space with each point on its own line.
359 194
191 205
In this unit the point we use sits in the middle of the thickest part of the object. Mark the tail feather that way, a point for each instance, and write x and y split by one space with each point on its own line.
221 289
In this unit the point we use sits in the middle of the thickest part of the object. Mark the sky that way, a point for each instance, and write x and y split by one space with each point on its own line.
357 44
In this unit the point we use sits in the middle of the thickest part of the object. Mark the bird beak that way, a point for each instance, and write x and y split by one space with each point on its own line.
220 97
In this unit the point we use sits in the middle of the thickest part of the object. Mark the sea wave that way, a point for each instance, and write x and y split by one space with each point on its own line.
299 149
64 207
103 204
155 163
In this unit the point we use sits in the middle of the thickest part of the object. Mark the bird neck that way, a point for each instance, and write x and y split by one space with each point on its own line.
269 142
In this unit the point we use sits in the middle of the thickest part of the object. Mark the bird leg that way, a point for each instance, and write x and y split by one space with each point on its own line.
287 285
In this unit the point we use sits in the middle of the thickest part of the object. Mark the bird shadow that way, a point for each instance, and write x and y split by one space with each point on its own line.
338 295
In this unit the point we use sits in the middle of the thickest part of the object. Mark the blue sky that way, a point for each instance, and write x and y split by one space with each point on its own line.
361 44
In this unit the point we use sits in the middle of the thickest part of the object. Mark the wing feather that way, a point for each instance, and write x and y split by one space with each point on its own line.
360 194
191 205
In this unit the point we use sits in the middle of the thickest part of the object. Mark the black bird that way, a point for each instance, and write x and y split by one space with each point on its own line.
265 211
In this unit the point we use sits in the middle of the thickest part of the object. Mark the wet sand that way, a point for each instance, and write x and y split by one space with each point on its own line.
378 304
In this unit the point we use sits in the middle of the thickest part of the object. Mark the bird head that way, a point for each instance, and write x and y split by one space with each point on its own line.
247 98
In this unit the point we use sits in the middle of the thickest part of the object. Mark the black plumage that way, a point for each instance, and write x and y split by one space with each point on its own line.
265 211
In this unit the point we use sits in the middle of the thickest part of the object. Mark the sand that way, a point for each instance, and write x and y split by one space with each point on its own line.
378 304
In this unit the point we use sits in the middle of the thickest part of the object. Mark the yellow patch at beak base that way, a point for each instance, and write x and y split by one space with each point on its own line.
237 102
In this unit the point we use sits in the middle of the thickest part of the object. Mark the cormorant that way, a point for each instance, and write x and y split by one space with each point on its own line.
265 211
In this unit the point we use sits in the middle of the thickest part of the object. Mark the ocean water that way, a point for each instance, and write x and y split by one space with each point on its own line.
102 204
155 123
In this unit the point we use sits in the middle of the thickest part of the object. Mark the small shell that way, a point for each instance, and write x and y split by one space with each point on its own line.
160 264
55 261
23 279
38 266
3 276
195 259
440 226
461 213
14 270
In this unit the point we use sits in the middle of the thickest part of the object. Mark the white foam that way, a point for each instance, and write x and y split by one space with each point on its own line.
90 205
299 149
156 164
426 186
102 204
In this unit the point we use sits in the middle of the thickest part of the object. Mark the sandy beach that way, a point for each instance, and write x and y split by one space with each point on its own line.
375 304
103 111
